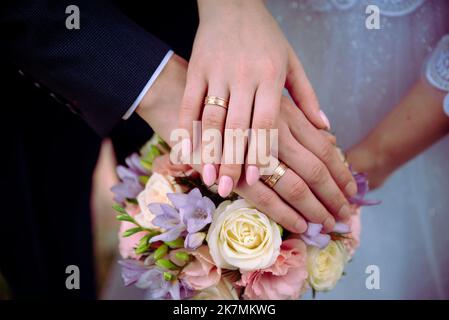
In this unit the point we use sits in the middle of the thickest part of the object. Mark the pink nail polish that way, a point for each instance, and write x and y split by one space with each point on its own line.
252 175
325 119
225 186
209 174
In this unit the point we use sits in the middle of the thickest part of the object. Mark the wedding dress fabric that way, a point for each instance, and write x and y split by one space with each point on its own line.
359 75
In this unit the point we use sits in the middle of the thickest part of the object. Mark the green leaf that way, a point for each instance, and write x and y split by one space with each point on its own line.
118 208
125 217
145 240
153 153
143 245
142 249
183 256
166 264
163 145
168 276
144 179
161 251
147 165
131 231
178 243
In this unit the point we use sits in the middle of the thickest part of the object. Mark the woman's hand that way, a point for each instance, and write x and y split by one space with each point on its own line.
312 185
241 55
313 161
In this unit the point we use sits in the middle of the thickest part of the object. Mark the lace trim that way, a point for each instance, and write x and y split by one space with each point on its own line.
437 69
397 8
392 8
343 4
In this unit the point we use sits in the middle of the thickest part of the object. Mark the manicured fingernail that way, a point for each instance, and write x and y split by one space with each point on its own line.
325 120
345 212
341 227
329 224
252 175
186 148
209 174
300 226
351 189
225 186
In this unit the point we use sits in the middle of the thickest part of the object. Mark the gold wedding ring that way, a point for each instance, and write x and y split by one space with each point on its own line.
278 173
216 101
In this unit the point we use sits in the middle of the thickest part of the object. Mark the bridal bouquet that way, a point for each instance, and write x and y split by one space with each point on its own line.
180 240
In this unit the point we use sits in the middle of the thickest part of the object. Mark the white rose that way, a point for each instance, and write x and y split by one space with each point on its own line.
224 290
241 237
325 266
155 191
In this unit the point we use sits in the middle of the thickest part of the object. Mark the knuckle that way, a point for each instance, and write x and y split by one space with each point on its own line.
344 176
188 103
265 198
243 72
298 191
236 123
327 151
271 68
317 174
212 120
265 122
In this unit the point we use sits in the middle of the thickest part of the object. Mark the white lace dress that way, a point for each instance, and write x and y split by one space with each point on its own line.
360 75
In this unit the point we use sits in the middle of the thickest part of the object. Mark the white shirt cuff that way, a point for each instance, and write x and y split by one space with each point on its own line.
148 85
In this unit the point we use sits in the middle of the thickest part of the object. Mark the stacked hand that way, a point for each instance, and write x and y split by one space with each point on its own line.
310 189
241 56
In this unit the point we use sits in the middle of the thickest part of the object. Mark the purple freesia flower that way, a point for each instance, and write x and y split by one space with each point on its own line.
194 209
133 162
190 214
362 189
167 218
313 237
159 288
130 186
132 270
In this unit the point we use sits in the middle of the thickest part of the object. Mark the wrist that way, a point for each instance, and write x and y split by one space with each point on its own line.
160 105
368 157
208 8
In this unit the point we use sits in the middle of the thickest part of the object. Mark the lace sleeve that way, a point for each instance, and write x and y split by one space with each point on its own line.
437 69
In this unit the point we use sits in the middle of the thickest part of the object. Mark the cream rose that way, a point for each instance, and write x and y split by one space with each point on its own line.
325 266
241 237
155 191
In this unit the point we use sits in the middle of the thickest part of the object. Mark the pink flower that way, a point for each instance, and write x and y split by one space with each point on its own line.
127 244
201 273
285 279
164 166
353 240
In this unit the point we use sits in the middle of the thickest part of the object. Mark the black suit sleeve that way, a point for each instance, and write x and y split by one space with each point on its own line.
100 69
